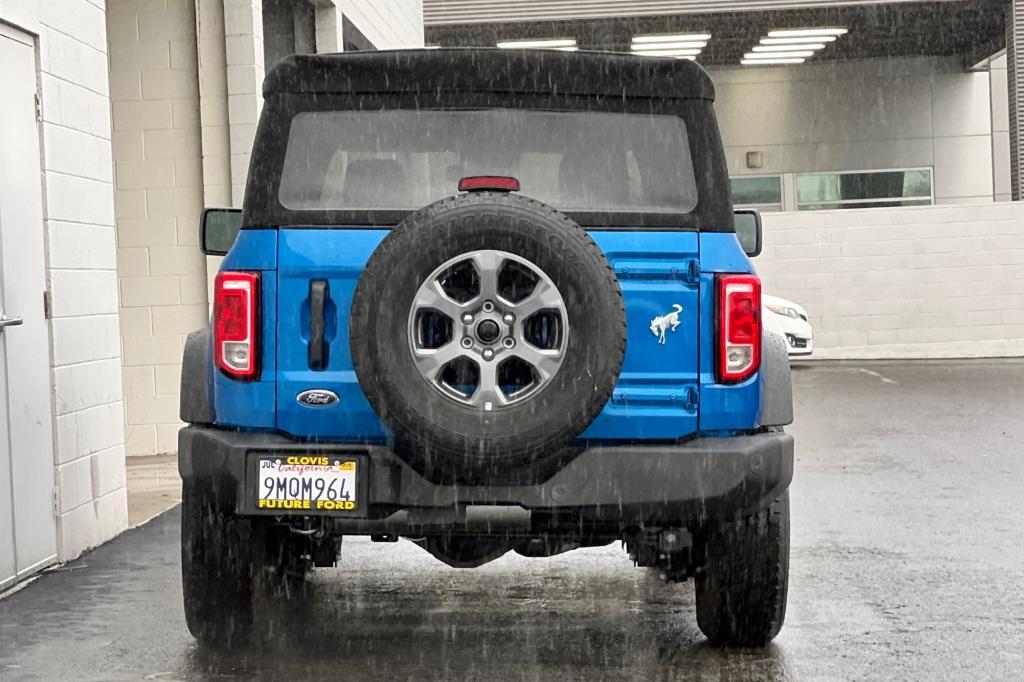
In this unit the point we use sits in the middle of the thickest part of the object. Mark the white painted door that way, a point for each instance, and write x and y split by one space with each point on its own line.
28 530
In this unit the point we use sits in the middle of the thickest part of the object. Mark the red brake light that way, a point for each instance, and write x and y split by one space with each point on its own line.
236 324
739 326
494 183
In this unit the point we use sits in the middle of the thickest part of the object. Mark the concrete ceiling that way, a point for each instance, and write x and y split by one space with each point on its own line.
969 29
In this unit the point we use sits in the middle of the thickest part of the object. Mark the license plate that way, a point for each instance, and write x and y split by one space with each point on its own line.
313 482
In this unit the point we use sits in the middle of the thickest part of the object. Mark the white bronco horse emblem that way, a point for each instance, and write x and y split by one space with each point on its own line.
666 323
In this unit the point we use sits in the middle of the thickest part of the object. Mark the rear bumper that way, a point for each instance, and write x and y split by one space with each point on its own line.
608 485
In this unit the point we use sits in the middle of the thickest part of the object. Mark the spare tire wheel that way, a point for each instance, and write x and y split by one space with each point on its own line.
487 330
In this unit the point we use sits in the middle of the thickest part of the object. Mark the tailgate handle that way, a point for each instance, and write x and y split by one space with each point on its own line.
318 293
693 272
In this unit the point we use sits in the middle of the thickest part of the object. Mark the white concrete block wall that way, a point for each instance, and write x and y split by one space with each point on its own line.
863 115
935 281
80 235
158 164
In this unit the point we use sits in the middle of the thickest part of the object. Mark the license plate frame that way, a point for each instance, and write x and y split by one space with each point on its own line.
303 465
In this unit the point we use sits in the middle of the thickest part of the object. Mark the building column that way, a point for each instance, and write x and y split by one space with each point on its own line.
213 103
243 41
328 27
998 81
158 182
1015 100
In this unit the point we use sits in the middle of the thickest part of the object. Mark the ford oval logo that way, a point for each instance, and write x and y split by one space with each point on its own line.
317 397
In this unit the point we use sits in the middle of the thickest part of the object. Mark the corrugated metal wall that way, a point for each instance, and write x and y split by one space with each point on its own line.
441 12
1015 81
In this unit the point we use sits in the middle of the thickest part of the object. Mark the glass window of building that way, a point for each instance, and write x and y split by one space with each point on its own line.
763 192
864 189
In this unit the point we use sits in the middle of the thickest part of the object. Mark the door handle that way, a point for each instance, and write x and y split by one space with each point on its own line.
10 322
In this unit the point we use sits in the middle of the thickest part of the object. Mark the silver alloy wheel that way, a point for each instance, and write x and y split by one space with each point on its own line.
491 324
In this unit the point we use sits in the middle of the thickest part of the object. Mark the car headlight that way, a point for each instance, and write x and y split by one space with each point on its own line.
784 310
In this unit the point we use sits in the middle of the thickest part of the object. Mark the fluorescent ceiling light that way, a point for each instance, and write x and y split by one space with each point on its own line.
671 38
779 55
679 44
562 43
761 62
667 53
804 32
791 45
797 40
784 48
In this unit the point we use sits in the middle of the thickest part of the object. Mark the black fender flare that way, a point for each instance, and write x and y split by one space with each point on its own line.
197 379
777 383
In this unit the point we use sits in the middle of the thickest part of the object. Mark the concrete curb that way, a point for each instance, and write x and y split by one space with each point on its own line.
1012 348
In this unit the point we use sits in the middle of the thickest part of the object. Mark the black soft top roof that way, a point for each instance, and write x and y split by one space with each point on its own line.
493 70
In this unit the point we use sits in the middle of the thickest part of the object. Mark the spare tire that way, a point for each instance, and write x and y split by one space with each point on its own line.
487 331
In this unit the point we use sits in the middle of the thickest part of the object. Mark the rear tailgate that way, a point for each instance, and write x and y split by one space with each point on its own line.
336 257
657 392
656 395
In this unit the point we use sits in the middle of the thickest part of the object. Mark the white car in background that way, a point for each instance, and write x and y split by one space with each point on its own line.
789 320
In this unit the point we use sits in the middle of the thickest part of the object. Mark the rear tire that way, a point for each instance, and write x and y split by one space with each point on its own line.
226 561
742 586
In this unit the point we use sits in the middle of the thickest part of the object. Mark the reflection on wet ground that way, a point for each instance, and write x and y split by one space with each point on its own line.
406 616
907 564
390 612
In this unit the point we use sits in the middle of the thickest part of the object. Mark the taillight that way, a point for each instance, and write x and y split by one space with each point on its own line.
739 326
236 324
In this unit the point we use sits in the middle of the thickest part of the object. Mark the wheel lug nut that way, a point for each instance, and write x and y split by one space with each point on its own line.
488 354
509 342
488 307
467 318
508 318
467 342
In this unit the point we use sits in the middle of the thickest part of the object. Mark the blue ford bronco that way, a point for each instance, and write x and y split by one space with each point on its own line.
487 301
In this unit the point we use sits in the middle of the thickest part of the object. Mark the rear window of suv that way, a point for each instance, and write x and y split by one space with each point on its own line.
406 159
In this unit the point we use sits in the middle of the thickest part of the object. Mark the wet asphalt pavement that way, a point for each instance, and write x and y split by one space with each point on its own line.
907 563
